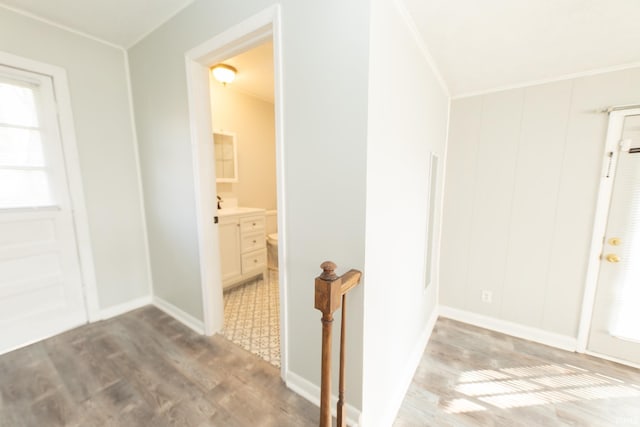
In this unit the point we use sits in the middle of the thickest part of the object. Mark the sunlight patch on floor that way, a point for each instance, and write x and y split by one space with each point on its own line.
533 385
458 406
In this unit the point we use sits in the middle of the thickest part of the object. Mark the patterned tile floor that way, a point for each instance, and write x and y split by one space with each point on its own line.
252 318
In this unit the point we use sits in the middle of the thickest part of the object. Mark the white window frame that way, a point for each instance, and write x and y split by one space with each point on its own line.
72 163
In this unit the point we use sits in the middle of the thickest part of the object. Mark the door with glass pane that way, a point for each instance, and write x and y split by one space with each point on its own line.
615 325
40 283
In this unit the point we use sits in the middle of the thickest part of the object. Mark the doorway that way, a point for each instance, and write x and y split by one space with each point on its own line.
255 31
243 125
614 331
41 279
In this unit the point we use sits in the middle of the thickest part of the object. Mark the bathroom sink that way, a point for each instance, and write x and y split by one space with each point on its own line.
238 211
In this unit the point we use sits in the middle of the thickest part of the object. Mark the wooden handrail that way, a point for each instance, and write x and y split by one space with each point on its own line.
330 294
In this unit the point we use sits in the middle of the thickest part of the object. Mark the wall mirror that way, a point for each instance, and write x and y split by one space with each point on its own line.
226 154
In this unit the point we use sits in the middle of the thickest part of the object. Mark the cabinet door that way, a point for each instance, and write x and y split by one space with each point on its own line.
229 232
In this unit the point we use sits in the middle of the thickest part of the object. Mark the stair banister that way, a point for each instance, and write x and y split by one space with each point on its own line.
330 294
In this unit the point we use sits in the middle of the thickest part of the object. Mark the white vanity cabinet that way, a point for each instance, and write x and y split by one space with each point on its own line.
243 252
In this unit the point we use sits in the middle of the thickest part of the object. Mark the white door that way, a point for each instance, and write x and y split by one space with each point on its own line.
615 326
40 282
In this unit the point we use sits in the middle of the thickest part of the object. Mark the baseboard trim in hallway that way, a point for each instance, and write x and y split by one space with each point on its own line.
540 336
413 361
117 310
311 392
180 315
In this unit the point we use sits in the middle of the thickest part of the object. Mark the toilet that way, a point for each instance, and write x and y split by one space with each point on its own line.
272 251
272 240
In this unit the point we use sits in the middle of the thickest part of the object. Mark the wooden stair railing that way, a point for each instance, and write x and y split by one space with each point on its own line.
330 294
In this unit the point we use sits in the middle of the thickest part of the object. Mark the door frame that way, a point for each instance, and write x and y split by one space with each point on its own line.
74 177
609 162
249 33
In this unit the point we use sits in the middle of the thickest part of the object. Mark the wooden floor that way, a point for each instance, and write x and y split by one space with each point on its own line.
144 369
473 377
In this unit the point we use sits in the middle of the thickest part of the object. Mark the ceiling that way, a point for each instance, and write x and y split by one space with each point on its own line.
119 22
488 44
255 72
476 45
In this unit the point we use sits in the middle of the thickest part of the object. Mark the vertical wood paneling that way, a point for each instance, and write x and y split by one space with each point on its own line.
538 168
524 205
495 169
456 222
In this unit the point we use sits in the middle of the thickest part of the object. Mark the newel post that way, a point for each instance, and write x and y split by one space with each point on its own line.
327 300
331 292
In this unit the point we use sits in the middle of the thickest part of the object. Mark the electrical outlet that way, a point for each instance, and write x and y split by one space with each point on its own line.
486 296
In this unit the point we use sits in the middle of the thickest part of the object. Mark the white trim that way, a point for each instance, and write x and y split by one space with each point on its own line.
311 392
283 278
125 307
204 179
136 156
74 176
517 330
239 38
76 192
426 53
408 371
60 26
443 183
613 359
178 314
549 80
614 133
164 21
432 243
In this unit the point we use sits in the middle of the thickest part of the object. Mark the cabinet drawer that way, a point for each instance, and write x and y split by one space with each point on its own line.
256 260
252 241
252 223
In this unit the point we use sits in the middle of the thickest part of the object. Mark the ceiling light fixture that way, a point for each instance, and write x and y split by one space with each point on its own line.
224 73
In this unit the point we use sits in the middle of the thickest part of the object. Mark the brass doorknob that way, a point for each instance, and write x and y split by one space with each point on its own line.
613 258
614 241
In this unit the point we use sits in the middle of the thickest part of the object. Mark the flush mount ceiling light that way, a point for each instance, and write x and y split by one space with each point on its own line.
224 73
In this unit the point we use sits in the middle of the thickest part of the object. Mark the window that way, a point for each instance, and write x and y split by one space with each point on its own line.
24 178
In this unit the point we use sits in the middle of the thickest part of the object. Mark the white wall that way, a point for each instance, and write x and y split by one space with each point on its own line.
253 121
522 176
408 113
324 148
100 102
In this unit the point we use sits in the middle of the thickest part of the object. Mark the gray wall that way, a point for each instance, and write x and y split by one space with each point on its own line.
408 112
104 133
521 186
325 134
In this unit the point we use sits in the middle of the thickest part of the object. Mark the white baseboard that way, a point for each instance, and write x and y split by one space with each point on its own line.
117 310
612 359
180 315
311 392
551 339
409 370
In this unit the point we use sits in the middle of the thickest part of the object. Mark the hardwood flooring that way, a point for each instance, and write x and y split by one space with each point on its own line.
144 369
470 376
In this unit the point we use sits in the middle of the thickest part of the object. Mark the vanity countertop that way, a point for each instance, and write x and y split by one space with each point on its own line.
240 211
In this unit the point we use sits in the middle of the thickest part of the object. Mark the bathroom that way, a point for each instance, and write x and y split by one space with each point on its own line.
243 123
